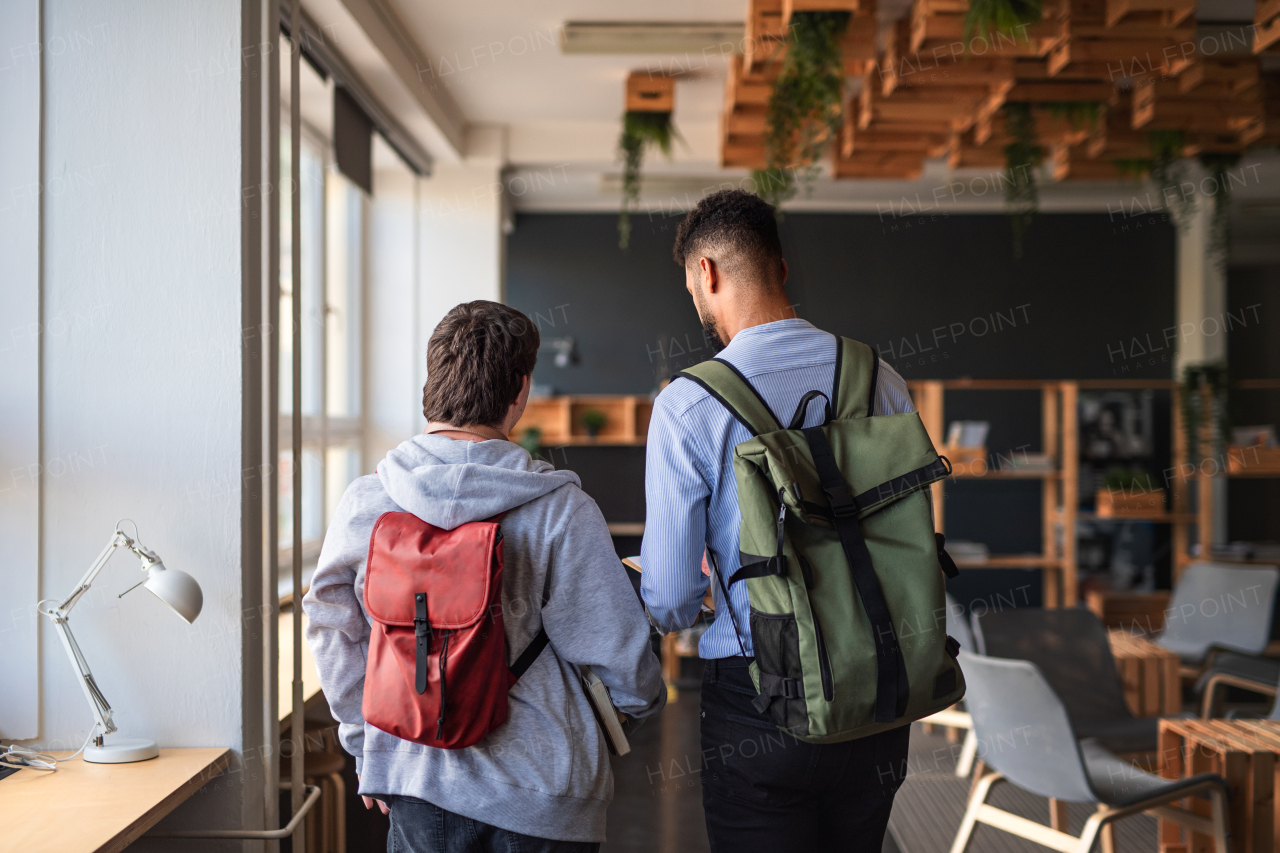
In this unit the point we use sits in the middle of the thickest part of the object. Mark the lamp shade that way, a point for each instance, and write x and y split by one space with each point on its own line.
177 589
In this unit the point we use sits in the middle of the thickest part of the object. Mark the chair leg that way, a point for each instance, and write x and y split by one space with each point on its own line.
979 770
1209 700
968 752
1058 814
1218 803
1092 827
976 800
1108 833
339 813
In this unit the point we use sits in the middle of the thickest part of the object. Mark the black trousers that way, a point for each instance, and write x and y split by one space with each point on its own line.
763 790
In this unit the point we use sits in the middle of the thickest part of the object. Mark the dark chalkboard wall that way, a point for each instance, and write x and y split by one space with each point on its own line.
940 297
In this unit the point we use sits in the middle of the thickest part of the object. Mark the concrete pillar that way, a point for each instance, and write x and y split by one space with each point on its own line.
1202 302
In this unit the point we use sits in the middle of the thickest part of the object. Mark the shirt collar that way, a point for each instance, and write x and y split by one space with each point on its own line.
770 328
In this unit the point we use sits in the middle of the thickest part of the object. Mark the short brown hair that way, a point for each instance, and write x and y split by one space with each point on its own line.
477 359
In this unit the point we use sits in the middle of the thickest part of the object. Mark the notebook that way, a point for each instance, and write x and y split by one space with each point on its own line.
607 716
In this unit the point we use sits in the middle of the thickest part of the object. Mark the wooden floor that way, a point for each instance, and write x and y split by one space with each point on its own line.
930 803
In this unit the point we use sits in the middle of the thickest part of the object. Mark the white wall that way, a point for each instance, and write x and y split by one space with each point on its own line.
20 193
393 403
142 389
463 248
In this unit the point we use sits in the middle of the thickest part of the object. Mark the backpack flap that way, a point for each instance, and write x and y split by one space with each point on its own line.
407 556
884 459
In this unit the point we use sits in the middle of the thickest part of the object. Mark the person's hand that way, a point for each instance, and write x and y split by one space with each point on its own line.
369 801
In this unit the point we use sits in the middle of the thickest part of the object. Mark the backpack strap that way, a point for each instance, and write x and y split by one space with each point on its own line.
727 385
892 690
530 653
853 394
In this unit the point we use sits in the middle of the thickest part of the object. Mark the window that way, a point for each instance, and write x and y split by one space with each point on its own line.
329 344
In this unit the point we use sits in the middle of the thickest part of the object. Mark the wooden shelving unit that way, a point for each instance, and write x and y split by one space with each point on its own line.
1262 464
1058 435
1060 498
560 419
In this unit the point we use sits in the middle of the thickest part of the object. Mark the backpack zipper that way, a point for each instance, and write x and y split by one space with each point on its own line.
824 662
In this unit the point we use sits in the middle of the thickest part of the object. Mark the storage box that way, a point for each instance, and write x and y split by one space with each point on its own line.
967 460
1137 503
1149 673
1134 612
1244 753
1256 461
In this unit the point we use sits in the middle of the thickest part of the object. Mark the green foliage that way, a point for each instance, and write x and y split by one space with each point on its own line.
1000 16
1167 172
640 131
594 420
1022 157
774 185
1120 478
805 108
1079 114
1206 396
531 441
1220 233
1135 169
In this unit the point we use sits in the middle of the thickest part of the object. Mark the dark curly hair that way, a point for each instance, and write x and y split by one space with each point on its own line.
477 359
737 230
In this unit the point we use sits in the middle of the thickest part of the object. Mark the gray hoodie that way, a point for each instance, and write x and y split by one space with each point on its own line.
545 772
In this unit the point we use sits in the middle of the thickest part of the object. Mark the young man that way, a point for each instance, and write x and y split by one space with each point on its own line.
541 781
757 795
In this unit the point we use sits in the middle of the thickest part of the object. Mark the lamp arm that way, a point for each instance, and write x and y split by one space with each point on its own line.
118 540
98 702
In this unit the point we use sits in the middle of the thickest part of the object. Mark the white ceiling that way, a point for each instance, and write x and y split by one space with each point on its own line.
501 63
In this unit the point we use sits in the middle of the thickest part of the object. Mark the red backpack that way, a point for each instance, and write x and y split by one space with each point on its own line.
437 671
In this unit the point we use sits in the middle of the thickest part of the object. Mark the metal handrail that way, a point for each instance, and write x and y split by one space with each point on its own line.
313 797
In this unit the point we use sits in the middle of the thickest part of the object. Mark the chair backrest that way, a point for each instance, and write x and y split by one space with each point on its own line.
1069 646
1220 605
958 625
1022 728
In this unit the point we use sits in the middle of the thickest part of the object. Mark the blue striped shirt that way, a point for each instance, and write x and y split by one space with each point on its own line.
690 491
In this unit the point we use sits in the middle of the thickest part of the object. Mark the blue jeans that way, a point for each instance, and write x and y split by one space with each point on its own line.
421 827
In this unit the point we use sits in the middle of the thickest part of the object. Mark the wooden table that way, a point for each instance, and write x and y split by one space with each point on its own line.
1149 673
1244 753
100 808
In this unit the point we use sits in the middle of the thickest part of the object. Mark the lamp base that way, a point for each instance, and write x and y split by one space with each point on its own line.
122 751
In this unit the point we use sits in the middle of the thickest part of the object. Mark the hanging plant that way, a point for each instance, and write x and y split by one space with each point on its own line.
1199 408
1220 232
1022 157
1167 170
1078 114
640 131
999 16
805 109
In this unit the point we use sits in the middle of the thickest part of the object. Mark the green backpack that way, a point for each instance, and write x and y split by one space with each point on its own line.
842 566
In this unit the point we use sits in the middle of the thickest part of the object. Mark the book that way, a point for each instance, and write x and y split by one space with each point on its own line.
610 720
968 434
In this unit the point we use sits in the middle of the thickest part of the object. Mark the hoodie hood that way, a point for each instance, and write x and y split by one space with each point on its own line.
448 483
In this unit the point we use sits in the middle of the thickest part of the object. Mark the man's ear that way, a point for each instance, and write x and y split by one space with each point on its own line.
710 274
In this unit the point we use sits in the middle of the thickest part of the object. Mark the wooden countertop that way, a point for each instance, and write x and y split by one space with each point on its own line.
100 808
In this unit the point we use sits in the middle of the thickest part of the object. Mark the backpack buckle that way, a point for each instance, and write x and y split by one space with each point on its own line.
421 627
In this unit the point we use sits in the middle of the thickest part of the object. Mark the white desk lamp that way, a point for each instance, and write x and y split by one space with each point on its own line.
175 588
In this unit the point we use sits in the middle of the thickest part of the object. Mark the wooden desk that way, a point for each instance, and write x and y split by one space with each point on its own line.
310 675
100 808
